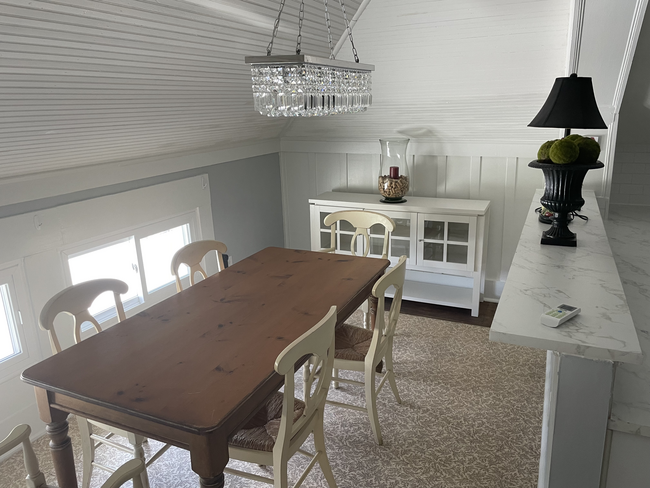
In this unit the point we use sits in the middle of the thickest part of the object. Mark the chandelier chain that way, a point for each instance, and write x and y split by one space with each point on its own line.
301 16
347 23
329 29
269 48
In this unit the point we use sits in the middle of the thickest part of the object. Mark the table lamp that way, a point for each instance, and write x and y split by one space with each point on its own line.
570 105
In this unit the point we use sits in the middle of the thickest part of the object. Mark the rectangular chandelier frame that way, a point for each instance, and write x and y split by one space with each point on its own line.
305 86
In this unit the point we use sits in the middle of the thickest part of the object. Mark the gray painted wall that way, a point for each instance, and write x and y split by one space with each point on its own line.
245 194
631 177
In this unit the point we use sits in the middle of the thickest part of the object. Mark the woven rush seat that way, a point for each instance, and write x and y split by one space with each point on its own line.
261 432
353 343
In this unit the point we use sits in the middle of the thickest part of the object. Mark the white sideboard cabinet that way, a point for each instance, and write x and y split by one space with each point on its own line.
443 239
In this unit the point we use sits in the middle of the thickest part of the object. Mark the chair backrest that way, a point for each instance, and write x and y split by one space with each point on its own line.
76 300
317 342
385 330
192 255
35 478
361 220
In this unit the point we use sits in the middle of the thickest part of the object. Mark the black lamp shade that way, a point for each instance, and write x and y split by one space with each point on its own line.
570 105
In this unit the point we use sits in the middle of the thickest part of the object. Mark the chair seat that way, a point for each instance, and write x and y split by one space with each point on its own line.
261 432
353 344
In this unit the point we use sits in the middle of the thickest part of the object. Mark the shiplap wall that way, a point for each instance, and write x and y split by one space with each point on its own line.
464 71
631 175
461 79
84 82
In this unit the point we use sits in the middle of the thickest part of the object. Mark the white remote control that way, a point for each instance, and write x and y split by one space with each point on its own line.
559 315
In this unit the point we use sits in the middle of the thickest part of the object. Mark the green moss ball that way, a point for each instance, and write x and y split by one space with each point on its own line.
542 154
574 137
589 150
564 152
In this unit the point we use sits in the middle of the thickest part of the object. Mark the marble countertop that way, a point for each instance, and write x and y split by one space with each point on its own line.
543 276
628 230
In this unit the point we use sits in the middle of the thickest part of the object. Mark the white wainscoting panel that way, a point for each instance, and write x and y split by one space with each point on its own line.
507 182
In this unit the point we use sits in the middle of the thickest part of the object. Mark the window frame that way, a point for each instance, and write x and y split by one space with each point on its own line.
13 273
108 317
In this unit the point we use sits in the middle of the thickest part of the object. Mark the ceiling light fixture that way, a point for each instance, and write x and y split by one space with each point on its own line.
305 86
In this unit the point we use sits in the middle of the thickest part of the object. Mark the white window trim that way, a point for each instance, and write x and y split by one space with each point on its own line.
13 273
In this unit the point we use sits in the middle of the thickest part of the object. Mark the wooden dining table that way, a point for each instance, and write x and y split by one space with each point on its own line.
193 369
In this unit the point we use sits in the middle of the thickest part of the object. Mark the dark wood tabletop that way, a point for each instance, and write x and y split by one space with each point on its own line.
192 369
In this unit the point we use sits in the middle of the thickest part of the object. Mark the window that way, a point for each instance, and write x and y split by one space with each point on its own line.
117 260
9 342
16 340
157 252
139 257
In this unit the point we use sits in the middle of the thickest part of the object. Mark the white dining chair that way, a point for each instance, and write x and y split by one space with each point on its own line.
132 469
283 424
363 350
362 221
75 301
192 254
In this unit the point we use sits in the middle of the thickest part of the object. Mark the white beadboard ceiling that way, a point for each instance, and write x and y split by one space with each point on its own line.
454 71
84 82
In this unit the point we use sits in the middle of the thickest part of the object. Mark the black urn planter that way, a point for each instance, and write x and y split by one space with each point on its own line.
562 195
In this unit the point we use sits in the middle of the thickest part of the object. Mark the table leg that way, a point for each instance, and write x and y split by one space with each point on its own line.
216 482
61 450
209 455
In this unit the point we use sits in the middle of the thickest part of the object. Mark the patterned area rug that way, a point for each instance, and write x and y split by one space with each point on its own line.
471 418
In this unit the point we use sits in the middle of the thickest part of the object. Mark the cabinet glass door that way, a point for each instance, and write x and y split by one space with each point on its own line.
446 241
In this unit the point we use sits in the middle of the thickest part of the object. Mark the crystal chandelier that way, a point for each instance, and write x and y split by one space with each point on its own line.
305 86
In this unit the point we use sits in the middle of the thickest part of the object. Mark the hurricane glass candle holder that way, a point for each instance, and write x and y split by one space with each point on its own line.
393 170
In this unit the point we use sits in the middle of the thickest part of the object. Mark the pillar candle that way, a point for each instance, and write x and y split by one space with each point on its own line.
394 172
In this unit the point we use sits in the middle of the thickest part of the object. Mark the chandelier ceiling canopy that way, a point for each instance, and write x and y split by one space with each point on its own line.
301 85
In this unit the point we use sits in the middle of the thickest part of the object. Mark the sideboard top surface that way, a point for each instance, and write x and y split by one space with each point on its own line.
542 277
449 206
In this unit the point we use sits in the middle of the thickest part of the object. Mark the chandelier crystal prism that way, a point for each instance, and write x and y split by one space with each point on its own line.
306 86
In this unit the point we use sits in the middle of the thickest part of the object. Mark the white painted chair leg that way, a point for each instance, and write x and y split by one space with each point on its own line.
138 453
371 406
87 450
280 476
335 376
365 308
35 478
305 379
390 373
319 444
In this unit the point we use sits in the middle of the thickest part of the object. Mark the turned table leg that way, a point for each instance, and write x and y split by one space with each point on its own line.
209 454
216 482
61 450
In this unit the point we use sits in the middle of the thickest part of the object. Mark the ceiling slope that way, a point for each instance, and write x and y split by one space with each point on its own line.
453 71
85 82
